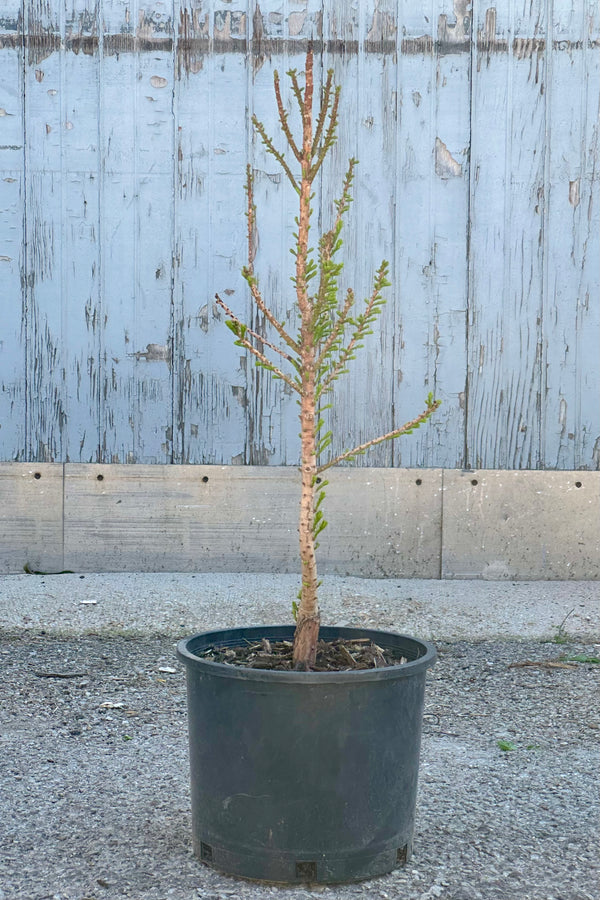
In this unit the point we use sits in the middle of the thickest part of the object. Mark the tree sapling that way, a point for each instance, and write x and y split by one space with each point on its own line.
330 333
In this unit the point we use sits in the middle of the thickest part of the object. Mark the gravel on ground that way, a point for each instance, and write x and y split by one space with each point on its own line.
94 793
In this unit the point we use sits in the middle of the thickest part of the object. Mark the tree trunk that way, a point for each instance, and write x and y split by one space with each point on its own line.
307 620
308 617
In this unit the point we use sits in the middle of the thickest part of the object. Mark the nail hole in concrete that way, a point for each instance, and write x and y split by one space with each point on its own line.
99 477
578 484
474 481
37 475
205 478
419 481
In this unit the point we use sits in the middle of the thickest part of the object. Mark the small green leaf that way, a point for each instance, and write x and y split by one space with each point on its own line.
506 746
582 658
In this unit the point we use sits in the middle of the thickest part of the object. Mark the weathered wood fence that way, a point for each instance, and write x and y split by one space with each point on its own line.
123 142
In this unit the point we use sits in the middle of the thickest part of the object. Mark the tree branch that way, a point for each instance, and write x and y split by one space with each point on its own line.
255 334
283 117
251 216
248 271
241 330
329 138
257 297
337 329
270 146
323 111
407 428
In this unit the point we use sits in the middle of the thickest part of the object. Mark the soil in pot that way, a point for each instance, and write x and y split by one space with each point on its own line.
332 656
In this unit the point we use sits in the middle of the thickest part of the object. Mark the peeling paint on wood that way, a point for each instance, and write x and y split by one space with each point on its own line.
445 164
123 143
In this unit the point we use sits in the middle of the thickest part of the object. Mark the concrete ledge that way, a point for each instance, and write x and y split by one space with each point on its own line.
31 517
393 523
504 525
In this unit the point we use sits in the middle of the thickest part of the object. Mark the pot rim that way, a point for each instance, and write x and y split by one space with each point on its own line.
425 654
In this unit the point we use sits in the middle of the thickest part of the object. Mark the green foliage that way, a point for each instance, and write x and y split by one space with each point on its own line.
582 658
506 746
319 521
239 330
336 329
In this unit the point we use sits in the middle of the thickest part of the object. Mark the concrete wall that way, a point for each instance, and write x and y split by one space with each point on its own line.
124 137
429 523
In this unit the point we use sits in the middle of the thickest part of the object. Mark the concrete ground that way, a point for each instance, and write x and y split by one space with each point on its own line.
94 791
172 604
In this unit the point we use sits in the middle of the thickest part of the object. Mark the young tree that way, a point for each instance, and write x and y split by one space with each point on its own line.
331 331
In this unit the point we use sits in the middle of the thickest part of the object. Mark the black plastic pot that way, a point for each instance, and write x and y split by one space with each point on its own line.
304 776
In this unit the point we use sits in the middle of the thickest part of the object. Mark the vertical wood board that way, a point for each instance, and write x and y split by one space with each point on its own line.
12 191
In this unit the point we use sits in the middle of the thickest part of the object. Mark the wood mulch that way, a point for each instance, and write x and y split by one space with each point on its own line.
332 656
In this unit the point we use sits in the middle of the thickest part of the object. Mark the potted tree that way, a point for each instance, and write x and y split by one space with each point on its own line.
304 740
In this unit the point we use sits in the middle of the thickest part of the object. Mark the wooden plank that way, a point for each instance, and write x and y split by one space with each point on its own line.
80 236
61 214
31 517
81 330
12 188
210 390
212 518
521 525
11 88
571 417
363 400
431 227
272 423
44 121
137 145
507 239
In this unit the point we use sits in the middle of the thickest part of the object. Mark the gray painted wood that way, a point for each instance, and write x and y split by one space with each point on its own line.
12 186
123 142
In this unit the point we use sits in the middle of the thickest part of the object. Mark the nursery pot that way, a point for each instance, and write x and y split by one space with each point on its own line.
304 776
